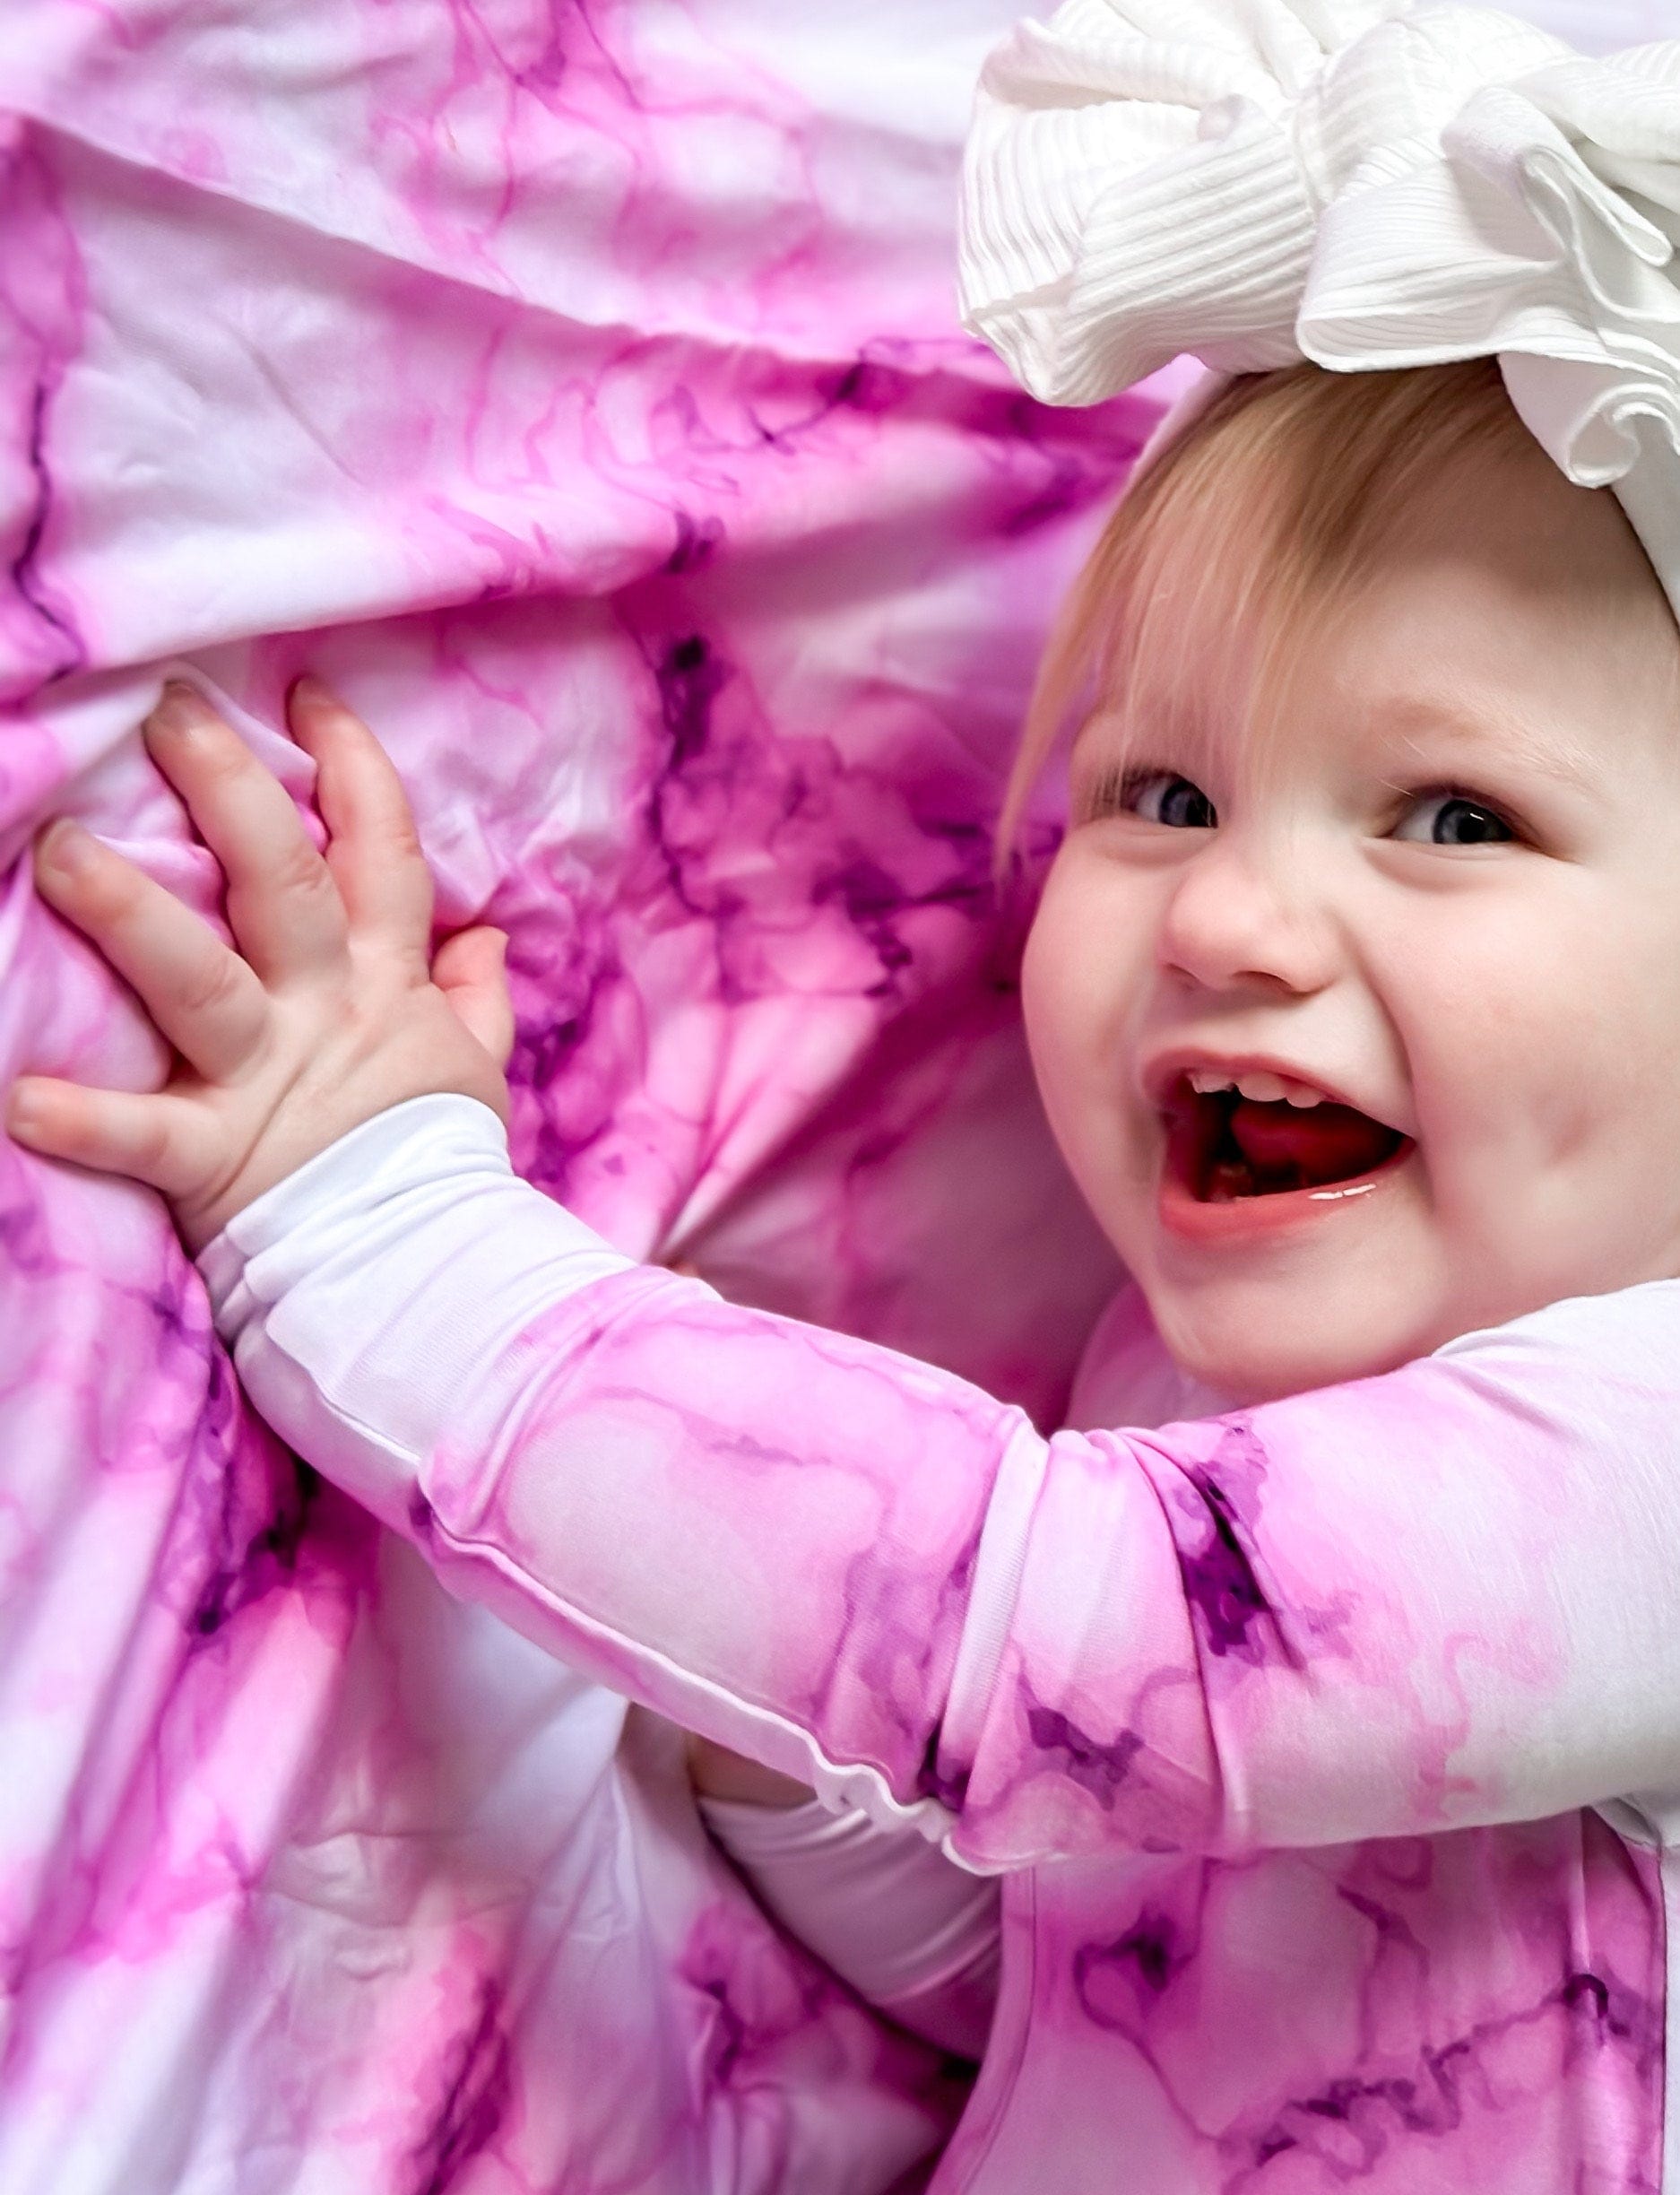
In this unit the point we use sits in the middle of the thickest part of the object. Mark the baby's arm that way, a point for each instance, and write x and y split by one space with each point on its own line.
1444 1596
915 1935
1438 1598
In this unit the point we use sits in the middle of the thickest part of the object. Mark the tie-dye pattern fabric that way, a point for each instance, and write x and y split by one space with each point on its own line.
1281 1724
581 390
579 387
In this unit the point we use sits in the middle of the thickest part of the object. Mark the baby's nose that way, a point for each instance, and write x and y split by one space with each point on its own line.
1234 920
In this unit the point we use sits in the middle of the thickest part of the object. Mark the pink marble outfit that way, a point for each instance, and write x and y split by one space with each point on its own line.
1287 1727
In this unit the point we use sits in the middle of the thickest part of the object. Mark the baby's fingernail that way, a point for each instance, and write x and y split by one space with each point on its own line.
23 1113
309 689
181 708
65 846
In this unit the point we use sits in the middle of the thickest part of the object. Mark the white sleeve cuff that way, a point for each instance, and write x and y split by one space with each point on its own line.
372 1186
324 1288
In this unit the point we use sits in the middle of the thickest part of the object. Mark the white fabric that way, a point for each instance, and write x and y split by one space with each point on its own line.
1369 184
915 1934
435 1170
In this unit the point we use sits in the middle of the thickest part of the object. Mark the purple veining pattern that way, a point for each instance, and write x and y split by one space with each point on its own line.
1286 1727
579 387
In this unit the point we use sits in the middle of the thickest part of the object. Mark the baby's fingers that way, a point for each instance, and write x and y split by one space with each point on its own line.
470 970
376 854
157 1139
282 904
204 998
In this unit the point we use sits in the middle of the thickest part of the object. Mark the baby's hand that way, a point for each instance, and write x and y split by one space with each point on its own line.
330 1011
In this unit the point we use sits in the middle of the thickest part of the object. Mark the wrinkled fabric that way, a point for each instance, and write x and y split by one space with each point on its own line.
581 389
1281 1725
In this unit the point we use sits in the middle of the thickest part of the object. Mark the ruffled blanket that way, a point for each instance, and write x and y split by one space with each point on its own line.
579 389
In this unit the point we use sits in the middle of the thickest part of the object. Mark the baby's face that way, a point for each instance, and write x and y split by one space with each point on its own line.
1444 898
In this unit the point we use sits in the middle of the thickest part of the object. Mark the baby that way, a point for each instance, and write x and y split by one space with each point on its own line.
1322 1737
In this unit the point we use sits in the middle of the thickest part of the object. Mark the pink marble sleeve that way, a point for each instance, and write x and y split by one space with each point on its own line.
1427 1601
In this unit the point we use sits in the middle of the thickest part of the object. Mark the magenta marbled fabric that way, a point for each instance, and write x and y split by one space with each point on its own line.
1327 1750
580 388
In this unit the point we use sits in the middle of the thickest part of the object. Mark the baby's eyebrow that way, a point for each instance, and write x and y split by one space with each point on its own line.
1112 735
1483 732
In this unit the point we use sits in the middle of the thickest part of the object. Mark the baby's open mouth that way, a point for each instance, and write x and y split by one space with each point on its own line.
1223 1145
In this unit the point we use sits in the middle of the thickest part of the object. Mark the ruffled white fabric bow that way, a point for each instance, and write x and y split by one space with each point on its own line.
1366 183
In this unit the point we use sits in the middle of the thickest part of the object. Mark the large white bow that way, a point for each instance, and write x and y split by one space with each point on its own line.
1366 183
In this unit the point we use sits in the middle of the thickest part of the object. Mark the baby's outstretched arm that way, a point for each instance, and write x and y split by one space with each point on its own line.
1441 1597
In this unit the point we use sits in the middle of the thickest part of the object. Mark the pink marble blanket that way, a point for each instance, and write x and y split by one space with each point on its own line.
578 386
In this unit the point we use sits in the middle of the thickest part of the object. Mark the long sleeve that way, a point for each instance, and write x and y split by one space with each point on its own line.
916 1937
1442 1597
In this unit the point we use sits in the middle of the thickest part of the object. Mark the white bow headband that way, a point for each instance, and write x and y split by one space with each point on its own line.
1369 184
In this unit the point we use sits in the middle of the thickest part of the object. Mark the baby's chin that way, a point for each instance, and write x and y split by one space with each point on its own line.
1252 1346
1385 1290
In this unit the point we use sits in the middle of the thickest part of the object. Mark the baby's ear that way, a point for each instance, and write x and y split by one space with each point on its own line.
470 970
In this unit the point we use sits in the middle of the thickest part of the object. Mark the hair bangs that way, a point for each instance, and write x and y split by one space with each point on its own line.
1247 537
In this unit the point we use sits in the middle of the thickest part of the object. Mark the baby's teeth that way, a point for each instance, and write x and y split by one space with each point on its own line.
1263 1088
1259 1085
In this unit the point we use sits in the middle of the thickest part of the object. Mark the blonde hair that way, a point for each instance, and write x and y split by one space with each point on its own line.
1273 497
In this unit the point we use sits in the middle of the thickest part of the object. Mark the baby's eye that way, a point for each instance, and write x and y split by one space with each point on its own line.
1452 819
1162 796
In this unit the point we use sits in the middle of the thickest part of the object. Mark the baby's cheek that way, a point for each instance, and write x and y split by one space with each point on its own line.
1062 1003
1074 1030
1547 1086
1487 998
1088 958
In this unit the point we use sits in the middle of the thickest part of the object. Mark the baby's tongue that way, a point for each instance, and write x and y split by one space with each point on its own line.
1327 1143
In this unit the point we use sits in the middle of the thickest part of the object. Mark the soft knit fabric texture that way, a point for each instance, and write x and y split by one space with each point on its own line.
1370 183
1282 1726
